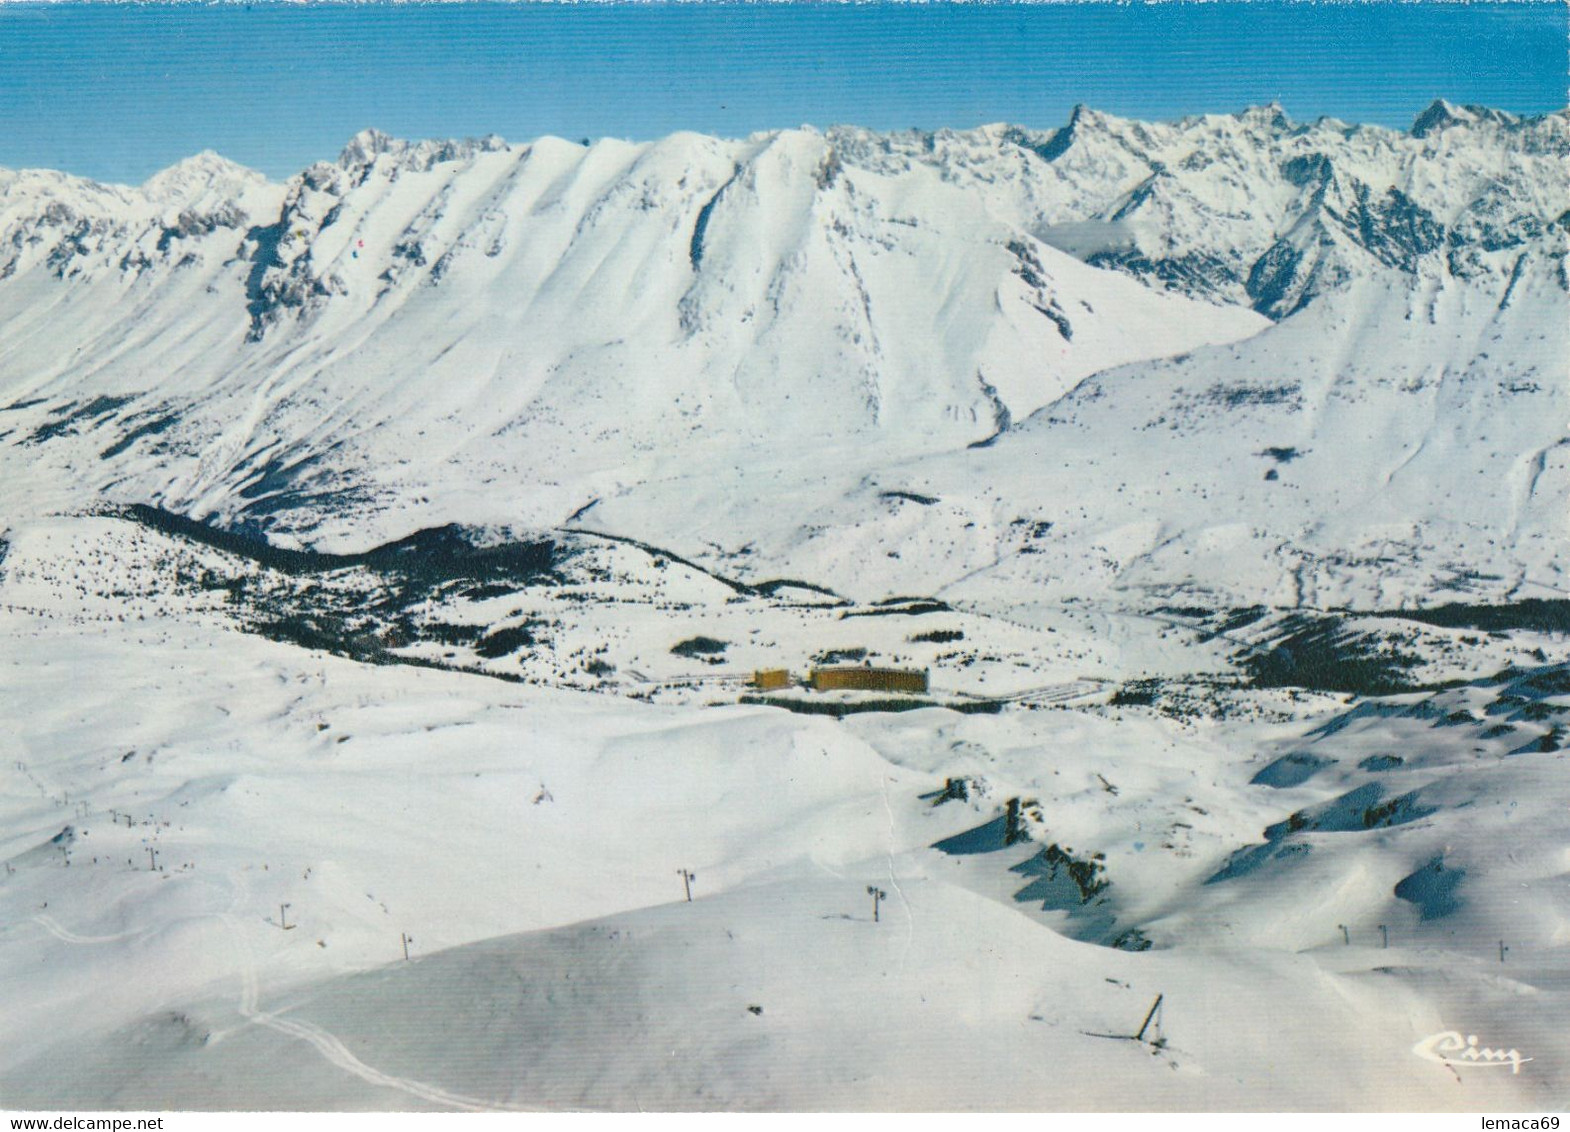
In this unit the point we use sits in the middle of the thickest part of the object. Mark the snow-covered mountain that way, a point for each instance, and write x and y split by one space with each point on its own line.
561 319
693 330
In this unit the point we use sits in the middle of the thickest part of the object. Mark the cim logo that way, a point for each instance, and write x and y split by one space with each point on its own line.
1450 1048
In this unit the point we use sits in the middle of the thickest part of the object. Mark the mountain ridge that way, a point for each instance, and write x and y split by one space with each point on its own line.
514 332
1438 115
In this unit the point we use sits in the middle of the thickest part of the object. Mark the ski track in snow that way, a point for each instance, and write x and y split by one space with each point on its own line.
328 1044
65 935
910 919
331 1047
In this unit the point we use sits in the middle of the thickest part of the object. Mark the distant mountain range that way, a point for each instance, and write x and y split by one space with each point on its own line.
1233 356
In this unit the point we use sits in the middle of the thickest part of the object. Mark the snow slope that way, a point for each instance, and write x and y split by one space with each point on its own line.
705 343
462 811
492 310
1167 450
1379 449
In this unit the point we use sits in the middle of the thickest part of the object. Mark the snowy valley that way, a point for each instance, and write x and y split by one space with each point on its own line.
387 555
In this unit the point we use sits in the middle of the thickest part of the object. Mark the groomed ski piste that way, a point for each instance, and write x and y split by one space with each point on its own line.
387 555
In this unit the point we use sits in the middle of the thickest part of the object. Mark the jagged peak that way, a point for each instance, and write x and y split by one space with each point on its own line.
1439 115
1442 114
366 146
197 173
1088 117
1272 115
1082 119
59 178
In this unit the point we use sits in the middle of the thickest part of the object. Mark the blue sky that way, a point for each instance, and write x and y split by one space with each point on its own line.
119 91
